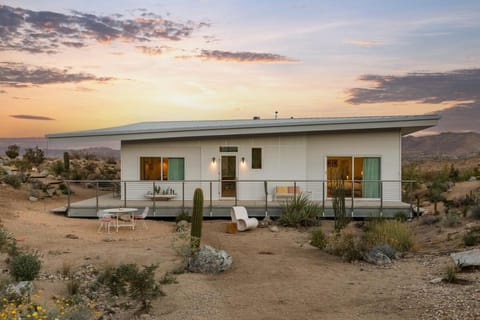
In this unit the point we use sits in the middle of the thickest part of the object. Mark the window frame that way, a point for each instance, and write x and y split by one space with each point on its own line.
260 160
162 162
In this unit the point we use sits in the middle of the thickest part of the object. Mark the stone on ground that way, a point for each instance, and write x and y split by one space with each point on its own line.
470 258
210 260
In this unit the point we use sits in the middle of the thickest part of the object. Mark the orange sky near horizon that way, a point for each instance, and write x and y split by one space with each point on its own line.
242 59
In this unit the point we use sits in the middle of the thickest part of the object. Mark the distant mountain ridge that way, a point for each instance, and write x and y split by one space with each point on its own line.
57 150
444 145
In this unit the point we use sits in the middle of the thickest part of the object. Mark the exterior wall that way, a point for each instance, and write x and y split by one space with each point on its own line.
299 157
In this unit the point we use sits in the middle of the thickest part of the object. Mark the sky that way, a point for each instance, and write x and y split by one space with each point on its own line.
76 65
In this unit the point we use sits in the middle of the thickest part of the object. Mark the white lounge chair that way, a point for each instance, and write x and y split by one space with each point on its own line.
141 217
240 216
105 221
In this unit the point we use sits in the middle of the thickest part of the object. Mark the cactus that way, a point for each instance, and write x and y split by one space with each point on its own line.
197 216
66 161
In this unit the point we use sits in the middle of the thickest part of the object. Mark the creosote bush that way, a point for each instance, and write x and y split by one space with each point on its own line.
299 212
346 245
395 233
129 279
319 239
451 220
25 267
13 180
472 237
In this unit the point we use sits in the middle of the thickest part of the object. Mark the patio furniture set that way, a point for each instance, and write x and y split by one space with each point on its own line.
121 217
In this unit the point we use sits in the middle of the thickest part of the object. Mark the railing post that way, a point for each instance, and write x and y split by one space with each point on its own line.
381 198
410 197
183 196
69 195
236 193
323 198
153 199
96 197
294 190
353 196
265 185
211 202
124 194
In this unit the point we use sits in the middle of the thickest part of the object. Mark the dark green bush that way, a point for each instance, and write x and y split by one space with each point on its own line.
299 211
25 267
347 246
183 215
451 220
472 237
13 180
475 213
319 239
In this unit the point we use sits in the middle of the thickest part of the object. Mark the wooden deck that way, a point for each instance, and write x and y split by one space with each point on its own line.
221 208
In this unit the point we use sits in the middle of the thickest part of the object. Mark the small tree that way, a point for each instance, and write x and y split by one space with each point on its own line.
12 151
35 156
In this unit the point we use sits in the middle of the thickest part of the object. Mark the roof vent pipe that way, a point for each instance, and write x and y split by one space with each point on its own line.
256 118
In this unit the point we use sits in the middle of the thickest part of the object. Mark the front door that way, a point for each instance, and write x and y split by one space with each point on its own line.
229 172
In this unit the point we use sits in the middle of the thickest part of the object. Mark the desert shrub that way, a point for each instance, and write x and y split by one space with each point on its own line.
13 180
183 215
400 216
346 245
4 240
451 220
73 287
25 267
58 167
144 288
168 278
429 220
475 214
395 233
472 237
299 211
319 239
451 273
140 285
66 270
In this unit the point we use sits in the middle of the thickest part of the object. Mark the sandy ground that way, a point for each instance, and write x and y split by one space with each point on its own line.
274 275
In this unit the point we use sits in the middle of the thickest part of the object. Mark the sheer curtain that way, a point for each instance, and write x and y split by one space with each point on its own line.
371 177
176 169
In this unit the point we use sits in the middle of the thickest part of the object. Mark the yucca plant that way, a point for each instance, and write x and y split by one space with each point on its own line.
299 211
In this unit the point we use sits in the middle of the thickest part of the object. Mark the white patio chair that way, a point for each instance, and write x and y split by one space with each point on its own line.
240 216
105 221
141 217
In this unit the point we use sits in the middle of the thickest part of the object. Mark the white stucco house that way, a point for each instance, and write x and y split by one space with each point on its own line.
232 159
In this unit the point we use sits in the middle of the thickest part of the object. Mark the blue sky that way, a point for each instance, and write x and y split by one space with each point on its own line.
80 65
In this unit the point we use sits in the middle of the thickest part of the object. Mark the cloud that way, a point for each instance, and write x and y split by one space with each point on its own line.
154 51
20 75
457 85
240 57
365 43
49 32
30 117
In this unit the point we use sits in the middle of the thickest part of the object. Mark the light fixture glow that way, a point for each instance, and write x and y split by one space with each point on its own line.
243 160
214 160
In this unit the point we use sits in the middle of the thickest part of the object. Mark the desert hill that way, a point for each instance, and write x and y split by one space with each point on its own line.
447 145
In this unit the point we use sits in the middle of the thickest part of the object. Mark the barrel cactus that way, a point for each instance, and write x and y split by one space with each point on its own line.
197 217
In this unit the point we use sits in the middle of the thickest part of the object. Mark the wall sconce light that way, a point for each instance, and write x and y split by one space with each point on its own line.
243 160
214 160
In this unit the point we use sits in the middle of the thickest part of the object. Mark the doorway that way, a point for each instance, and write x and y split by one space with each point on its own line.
229 172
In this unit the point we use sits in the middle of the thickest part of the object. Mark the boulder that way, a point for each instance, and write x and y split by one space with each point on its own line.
470 258
32 198
378 256
472 178
209 260
20 289
267 221
274 229
182 226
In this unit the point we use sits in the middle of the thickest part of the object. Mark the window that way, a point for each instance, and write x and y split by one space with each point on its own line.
256 158
162 168
360 176
228 149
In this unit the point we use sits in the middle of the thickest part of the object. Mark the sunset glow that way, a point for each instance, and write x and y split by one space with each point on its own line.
77 65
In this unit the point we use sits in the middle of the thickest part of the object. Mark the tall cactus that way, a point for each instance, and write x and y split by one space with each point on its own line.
197 217
66 161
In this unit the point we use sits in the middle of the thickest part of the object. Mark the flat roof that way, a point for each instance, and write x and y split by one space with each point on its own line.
220 128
